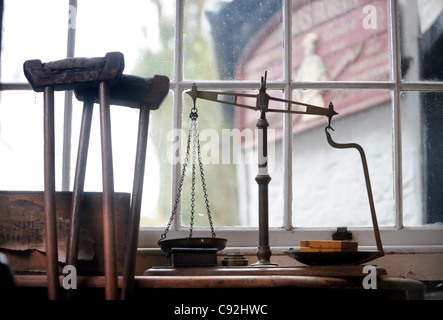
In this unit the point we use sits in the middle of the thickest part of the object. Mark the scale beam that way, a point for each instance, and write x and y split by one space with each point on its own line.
262 102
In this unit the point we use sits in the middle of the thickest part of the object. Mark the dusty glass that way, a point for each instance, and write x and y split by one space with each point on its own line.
221 40
329 187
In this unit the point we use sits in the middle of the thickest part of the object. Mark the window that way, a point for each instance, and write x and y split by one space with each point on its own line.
383 75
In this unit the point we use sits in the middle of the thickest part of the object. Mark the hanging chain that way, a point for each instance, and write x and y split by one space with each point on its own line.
193 132
195 135
179 191
205 193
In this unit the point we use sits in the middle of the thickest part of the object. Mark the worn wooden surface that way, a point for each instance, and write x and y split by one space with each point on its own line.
72 73
132 91
32 259
235 281
326 271
232 281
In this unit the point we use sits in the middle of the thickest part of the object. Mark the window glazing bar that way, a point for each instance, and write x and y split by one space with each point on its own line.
14 86
177 88
396 122
421 86
282 84
287 118
67 115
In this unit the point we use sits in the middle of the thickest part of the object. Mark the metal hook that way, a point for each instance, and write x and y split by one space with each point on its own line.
193 93
359 148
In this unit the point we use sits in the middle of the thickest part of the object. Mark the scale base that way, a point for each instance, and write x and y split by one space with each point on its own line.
192 257
265 264
264 257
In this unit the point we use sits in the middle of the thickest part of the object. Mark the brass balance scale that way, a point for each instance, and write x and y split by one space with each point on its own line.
197 251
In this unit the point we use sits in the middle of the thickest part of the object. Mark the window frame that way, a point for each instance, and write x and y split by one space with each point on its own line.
426 238
398 238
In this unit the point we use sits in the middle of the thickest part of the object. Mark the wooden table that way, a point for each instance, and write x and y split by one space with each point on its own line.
162 285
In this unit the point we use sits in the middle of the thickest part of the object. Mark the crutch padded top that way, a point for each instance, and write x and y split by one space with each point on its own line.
132 91
73 73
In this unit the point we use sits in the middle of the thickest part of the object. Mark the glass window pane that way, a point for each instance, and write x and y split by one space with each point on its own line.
157 49
21 147
124 125
422 119
143 31
341 40
421 23
232 39
32 30
228 146
156 204
246 122
156 201
328 184
21 140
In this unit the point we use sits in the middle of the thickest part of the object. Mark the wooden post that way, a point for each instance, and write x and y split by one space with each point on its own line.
137 194
108 195
49 196
79 182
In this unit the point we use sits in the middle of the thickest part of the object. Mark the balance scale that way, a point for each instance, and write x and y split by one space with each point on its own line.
202 252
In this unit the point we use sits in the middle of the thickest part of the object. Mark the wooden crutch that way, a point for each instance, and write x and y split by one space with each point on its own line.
145 94
79 181
67 74
49 195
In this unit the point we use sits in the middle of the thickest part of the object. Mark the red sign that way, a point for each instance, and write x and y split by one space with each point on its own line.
340 40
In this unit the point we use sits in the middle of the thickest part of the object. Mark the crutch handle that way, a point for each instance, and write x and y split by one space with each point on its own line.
72 73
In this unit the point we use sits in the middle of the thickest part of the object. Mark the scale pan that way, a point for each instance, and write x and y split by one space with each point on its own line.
218 243
332 258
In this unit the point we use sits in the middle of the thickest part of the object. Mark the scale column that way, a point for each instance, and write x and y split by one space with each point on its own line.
264 251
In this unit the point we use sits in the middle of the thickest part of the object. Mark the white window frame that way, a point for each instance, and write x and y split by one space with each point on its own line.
395 239
399 239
